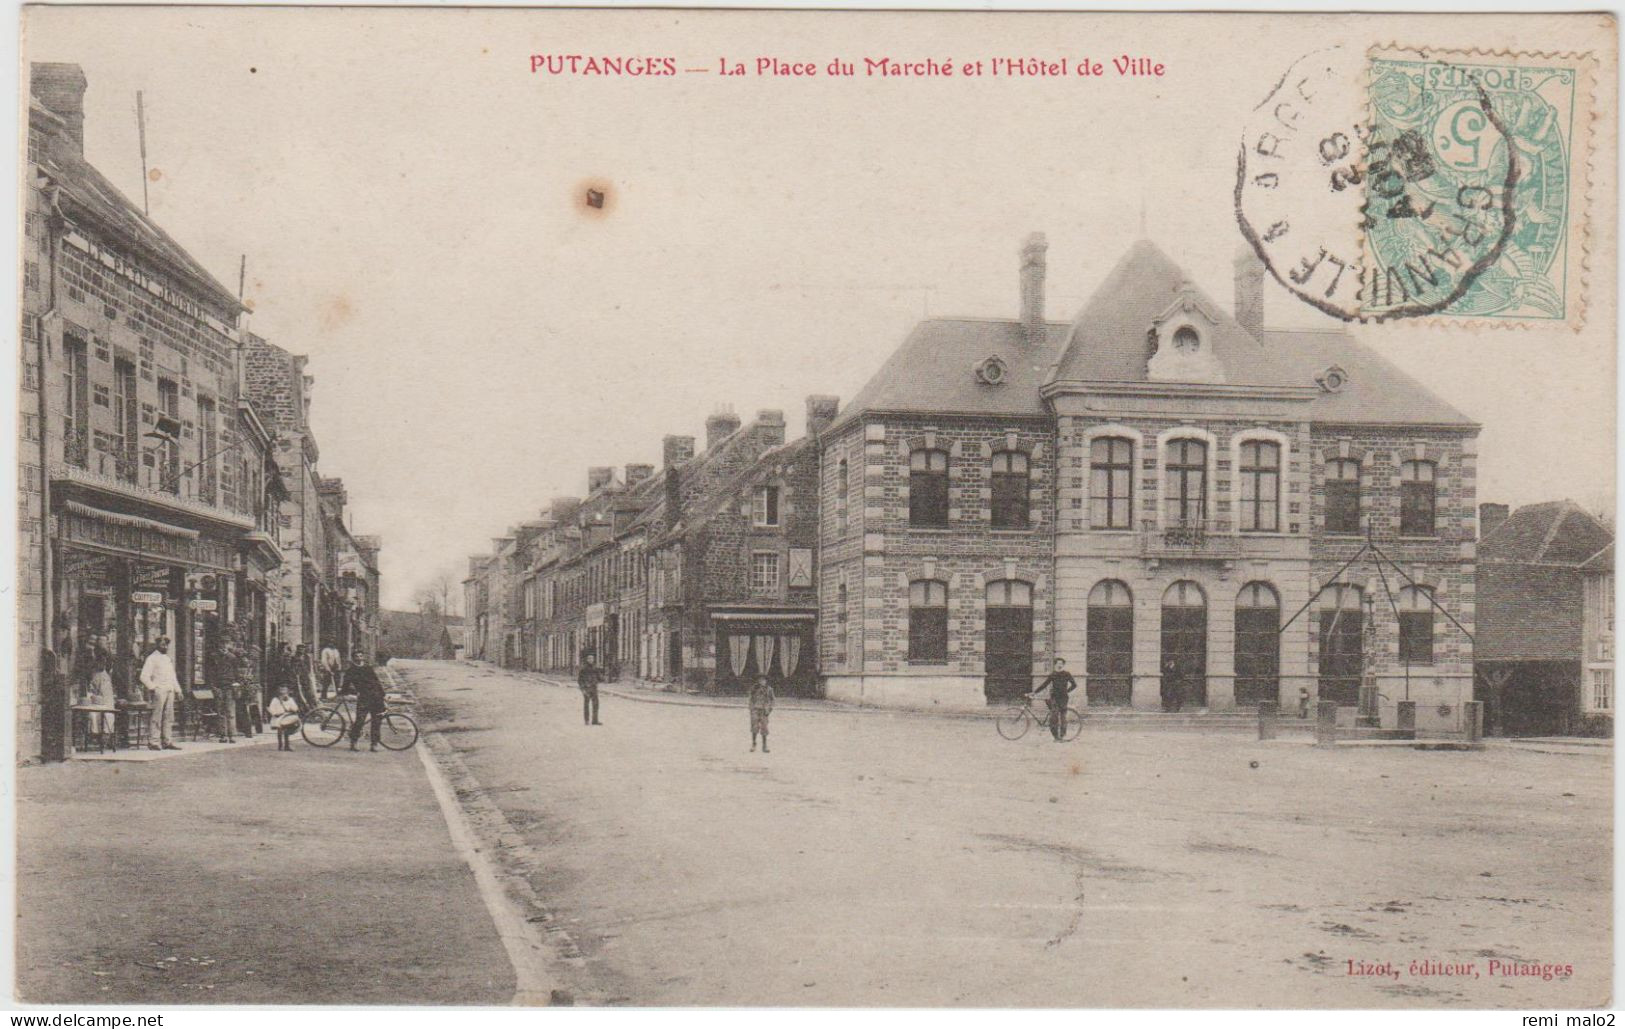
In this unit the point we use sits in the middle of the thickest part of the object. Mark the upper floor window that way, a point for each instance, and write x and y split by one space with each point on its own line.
1010 490
928 620
1111 483
1416 625
75 402
764 571
928 488
1260 472
1343 495
1186 482
1416 498
765 508
840 495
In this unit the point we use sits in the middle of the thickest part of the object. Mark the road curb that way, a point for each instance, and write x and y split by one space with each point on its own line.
488 843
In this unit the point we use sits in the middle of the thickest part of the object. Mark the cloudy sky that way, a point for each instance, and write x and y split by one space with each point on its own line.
405 190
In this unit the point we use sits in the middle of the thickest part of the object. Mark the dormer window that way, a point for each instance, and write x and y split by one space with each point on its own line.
1186 340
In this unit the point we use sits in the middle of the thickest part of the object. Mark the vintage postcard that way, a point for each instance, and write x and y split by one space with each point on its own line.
674 507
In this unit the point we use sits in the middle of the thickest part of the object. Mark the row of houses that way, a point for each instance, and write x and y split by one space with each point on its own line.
168 476
1194 509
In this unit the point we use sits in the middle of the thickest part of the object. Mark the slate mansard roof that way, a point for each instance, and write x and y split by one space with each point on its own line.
933 371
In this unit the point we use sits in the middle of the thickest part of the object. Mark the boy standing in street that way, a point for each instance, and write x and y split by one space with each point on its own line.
761 705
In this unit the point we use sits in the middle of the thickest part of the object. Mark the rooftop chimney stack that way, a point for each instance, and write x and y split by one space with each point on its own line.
1250 290
720 426
821 410
1032 286
61 89
677 449
636 473
598 478
770 427
563 509
1490 517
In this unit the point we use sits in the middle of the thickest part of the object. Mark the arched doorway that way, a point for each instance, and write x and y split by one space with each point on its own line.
1009 652
1184 646
1258 644
1110 655
1342 631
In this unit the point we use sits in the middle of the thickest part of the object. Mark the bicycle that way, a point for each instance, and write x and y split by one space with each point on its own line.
1014 723
329 723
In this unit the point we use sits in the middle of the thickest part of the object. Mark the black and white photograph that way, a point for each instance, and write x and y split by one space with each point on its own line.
682 508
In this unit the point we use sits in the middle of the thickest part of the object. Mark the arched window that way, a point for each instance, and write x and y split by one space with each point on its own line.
1010 490
1416 625
1110 644
1111 483
1186 341
928 621
1343 495
1186 483
840 496
1342 624
1260 472
840 623
928 488
1258 644
1008 639
1417 497
1184 646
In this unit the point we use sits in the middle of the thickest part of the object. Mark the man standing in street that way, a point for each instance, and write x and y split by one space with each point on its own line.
588 680
362 680
1060 685
158 676
304 672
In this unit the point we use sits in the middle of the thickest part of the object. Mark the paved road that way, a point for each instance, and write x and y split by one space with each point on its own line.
902 859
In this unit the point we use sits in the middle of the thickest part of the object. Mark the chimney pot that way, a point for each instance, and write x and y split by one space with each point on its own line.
598 478
1033 263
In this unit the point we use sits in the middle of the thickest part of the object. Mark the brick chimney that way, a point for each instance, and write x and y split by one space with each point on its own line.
677 449
1490 517
821 410
1249 290
1032 286
61 89
598 478
720 426
563 509
636 473
770 427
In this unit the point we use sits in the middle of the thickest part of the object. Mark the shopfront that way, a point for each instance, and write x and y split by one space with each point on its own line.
778 644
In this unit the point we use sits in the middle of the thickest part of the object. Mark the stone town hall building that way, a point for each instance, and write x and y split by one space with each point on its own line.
1153 491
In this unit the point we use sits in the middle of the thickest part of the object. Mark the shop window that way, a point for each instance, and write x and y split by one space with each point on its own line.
1011 490
1111 483
1417 498
928 621
928 489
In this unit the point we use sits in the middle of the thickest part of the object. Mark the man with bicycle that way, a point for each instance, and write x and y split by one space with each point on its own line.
1059 685
362 680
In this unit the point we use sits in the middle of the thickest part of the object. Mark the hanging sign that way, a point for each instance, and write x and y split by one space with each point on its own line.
146 597
205 605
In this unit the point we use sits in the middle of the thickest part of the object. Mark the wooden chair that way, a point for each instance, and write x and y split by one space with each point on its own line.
203 715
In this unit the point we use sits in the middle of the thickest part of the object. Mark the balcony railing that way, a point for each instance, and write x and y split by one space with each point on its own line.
1190 538
112 484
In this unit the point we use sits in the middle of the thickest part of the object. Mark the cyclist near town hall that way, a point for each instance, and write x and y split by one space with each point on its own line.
588 679
362 680
1056 688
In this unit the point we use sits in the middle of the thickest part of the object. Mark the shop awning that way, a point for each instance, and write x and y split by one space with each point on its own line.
747 615
130 521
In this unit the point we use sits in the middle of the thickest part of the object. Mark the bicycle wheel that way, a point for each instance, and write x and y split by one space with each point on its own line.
1014 723
1074 723
324 727
399 731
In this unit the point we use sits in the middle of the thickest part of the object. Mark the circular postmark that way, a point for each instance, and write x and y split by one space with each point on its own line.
1376 190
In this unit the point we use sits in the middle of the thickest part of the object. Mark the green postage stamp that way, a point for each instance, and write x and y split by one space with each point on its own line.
1478 167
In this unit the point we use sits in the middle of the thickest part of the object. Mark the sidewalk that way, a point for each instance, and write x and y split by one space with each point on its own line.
247 877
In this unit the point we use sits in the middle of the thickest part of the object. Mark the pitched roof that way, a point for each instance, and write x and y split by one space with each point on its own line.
1601 561
1556 532
934 371
1374 390
727 493
115 214
1528 612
